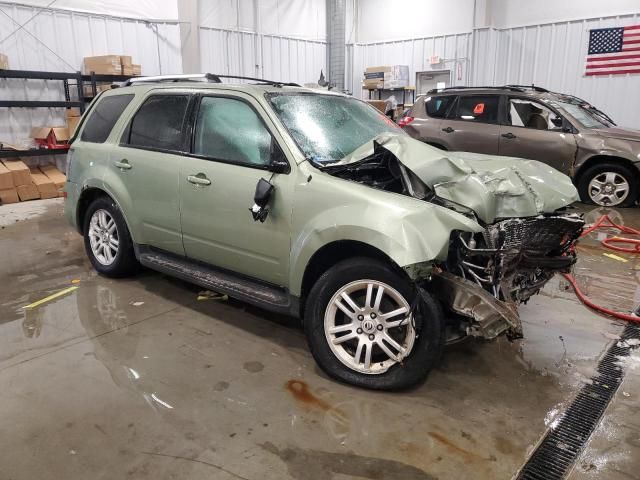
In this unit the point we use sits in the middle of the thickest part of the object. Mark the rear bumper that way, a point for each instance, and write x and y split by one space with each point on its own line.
71 204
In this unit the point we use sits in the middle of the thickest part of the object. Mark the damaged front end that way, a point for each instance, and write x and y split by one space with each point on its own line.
521 204
486 275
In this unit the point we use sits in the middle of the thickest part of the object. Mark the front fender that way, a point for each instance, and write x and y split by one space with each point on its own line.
407 230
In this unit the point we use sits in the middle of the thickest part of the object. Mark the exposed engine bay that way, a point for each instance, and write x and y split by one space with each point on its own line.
486 275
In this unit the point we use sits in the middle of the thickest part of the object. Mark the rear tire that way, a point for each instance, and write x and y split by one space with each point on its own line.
372 333
107 240
604 184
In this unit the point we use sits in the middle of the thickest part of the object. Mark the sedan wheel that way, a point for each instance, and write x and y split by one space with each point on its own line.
368 326
608 189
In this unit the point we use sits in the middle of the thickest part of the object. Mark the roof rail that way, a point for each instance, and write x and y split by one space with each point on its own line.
529 87
514 88
186 77
201 77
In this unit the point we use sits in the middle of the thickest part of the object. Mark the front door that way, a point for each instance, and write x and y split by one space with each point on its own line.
148 162
231 152
472 125
532 130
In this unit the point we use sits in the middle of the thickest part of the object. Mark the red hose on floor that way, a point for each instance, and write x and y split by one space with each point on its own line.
602 223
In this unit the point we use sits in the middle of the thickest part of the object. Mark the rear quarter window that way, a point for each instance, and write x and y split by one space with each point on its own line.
103 117
437 107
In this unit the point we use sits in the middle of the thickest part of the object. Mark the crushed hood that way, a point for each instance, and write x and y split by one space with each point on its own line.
492 186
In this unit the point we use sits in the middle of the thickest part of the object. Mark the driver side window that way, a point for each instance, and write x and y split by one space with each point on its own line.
231 131
529 114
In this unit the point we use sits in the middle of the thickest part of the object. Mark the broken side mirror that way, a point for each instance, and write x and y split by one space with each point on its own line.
278 162
260 210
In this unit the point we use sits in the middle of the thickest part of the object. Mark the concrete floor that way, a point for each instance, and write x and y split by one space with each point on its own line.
138 379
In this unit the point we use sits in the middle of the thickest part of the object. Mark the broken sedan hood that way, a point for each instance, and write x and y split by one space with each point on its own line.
492 186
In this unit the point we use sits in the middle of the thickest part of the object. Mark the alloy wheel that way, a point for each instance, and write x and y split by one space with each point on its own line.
608 189
368 326
103 237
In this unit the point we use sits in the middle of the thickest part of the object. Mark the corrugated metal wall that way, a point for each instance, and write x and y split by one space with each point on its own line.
72 36
553 56
272 57
453 49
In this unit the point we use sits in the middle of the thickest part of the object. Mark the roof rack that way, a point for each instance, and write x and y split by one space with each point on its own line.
528 87
514 88
202 77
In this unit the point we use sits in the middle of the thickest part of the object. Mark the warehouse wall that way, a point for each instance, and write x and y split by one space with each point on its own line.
553 55
58 40
281 40
516 13
381 20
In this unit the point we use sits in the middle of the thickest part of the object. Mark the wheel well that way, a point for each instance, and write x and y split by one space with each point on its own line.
333 253
86 198
596 159
437 145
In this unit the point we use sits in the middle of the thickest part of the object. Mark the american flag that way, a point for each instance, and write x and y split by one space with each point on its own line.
614 51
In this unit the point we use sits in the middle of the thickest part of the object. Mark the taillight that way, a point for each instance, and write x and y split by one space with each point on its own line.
404 121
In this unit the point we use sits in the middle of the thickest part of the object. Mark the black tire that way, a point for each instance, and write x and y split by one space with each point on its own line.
430 335
124 262
630 176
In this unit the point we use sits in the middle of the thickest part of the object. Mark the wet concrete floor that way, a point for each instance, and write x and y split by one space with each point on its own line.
137 378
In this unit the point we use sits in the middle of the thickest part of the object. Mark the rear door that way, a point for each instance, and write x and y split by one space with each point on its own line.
427 114
535 131
472 124
231 150
148 162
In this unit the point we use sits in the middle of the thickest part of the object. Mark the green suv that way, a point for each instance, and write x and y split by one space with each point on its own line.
313 204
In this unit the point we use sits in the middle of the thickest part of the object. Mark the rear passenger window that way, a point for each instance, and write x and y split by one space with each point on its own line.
437 106
103 117
478 108
159 123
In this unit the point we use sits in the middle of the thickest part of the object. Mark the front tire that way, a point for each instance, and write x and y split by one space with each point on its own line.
107 240
360 327
609 185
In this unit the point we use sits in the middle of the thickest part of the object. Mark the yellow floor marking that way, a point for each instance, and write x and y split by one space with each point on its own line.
615 257
49 298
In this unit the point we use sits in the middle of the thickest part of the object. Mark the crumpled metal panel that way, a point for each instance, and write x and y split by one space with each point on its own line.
466 298
492 186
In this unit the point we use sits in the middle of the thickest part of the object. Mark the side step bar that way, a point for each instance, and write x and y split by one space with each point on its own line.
251 291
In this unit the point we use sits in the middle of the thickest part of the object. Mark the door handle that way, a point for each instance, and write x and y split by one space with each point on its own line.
509 135
123 164
448 130
199 179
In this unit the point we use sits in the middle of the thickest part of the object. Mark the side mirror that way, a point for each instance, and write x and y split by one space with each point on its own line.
278 163
260 209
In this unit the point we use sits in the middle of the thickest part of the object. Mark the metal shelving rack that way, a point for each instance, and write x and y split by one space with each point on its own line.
69 80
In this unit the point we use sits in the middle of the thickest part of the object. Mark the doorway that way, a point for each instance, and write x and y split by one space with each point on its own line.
426 81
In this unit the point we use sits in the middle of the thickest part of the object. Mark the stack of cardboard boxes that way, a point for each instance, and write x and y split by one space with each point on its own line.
108 65
73 119
394 76
4 62
19 183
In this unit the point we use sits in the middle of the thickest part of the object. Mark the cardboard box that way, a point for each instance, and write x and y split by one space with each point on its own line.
9 195
133 70
73 112
126 60
19 172
28 192
378 104
72 125
100 87
51 137
55 175
6 179
397 77
4 62
374 77
46 187
104 65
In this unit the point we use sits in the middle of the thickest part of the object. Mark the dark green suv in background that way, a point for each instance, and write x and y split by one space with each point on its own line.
313 204
531 122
